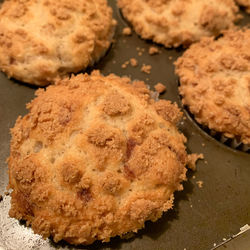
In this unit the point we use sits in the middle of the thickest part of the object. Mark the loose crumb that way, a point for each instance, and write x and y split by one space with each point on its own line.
205 162
114 61
192 158
160 88
170 57
146 68
127 31
194 177
140 51
125 64
200 183
153 50
133 62
224 239
203 144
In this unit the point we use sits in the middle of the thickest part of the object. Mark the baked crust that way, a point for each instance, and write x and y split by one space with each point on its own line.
42 40
95 157
244 3
179 22
215 83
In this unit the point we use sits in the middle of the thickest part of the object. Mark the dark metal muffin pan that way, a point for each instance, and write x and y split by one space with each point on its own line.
201 217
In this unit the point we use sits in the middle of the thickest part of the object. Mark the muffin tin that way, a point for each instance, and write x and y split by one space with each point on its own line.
201 217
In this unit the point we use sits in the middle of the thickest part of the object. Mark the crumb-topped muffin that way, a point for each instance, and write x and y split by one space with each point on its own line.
179 22
43 40
95 157
215 83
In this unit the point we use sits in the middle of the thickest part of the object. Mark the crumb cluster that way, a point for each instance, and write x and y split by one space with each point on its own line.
146 68
160 88
127 31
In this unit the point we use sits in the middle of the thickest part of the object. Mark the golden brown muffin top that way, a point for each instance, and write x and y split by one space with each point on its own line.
179 22
215 83
95 157
41 40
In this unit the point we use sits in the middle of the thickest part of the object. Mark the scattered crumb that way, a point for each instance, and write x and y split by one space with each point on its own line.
6 193
193 133
160 88
1 197
214 244
140 51
133 62
203 144
125 64
194 177
147 79
200 183
184 118
170 57
205 162
127 31
153 50
146 68
191 205
114 61
224 239
192 158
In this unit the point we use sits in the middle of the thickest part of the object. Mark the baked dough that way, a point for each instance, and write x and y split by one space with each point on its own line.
179 22
95 157
215 83
41 40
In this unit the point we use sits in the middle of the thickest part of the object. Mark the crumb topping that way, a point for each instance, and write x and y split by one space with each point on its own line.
95 157
62 37
214 77
174 23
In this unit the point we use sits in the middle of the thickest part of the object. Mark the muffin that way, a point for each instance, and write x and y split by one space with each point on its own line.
215 84
43 40
179 22
95 157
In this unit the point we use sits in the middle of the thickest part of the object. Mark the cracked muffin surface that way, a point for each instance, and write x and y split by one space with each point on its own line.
179 22
41 40
95 157
215 83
